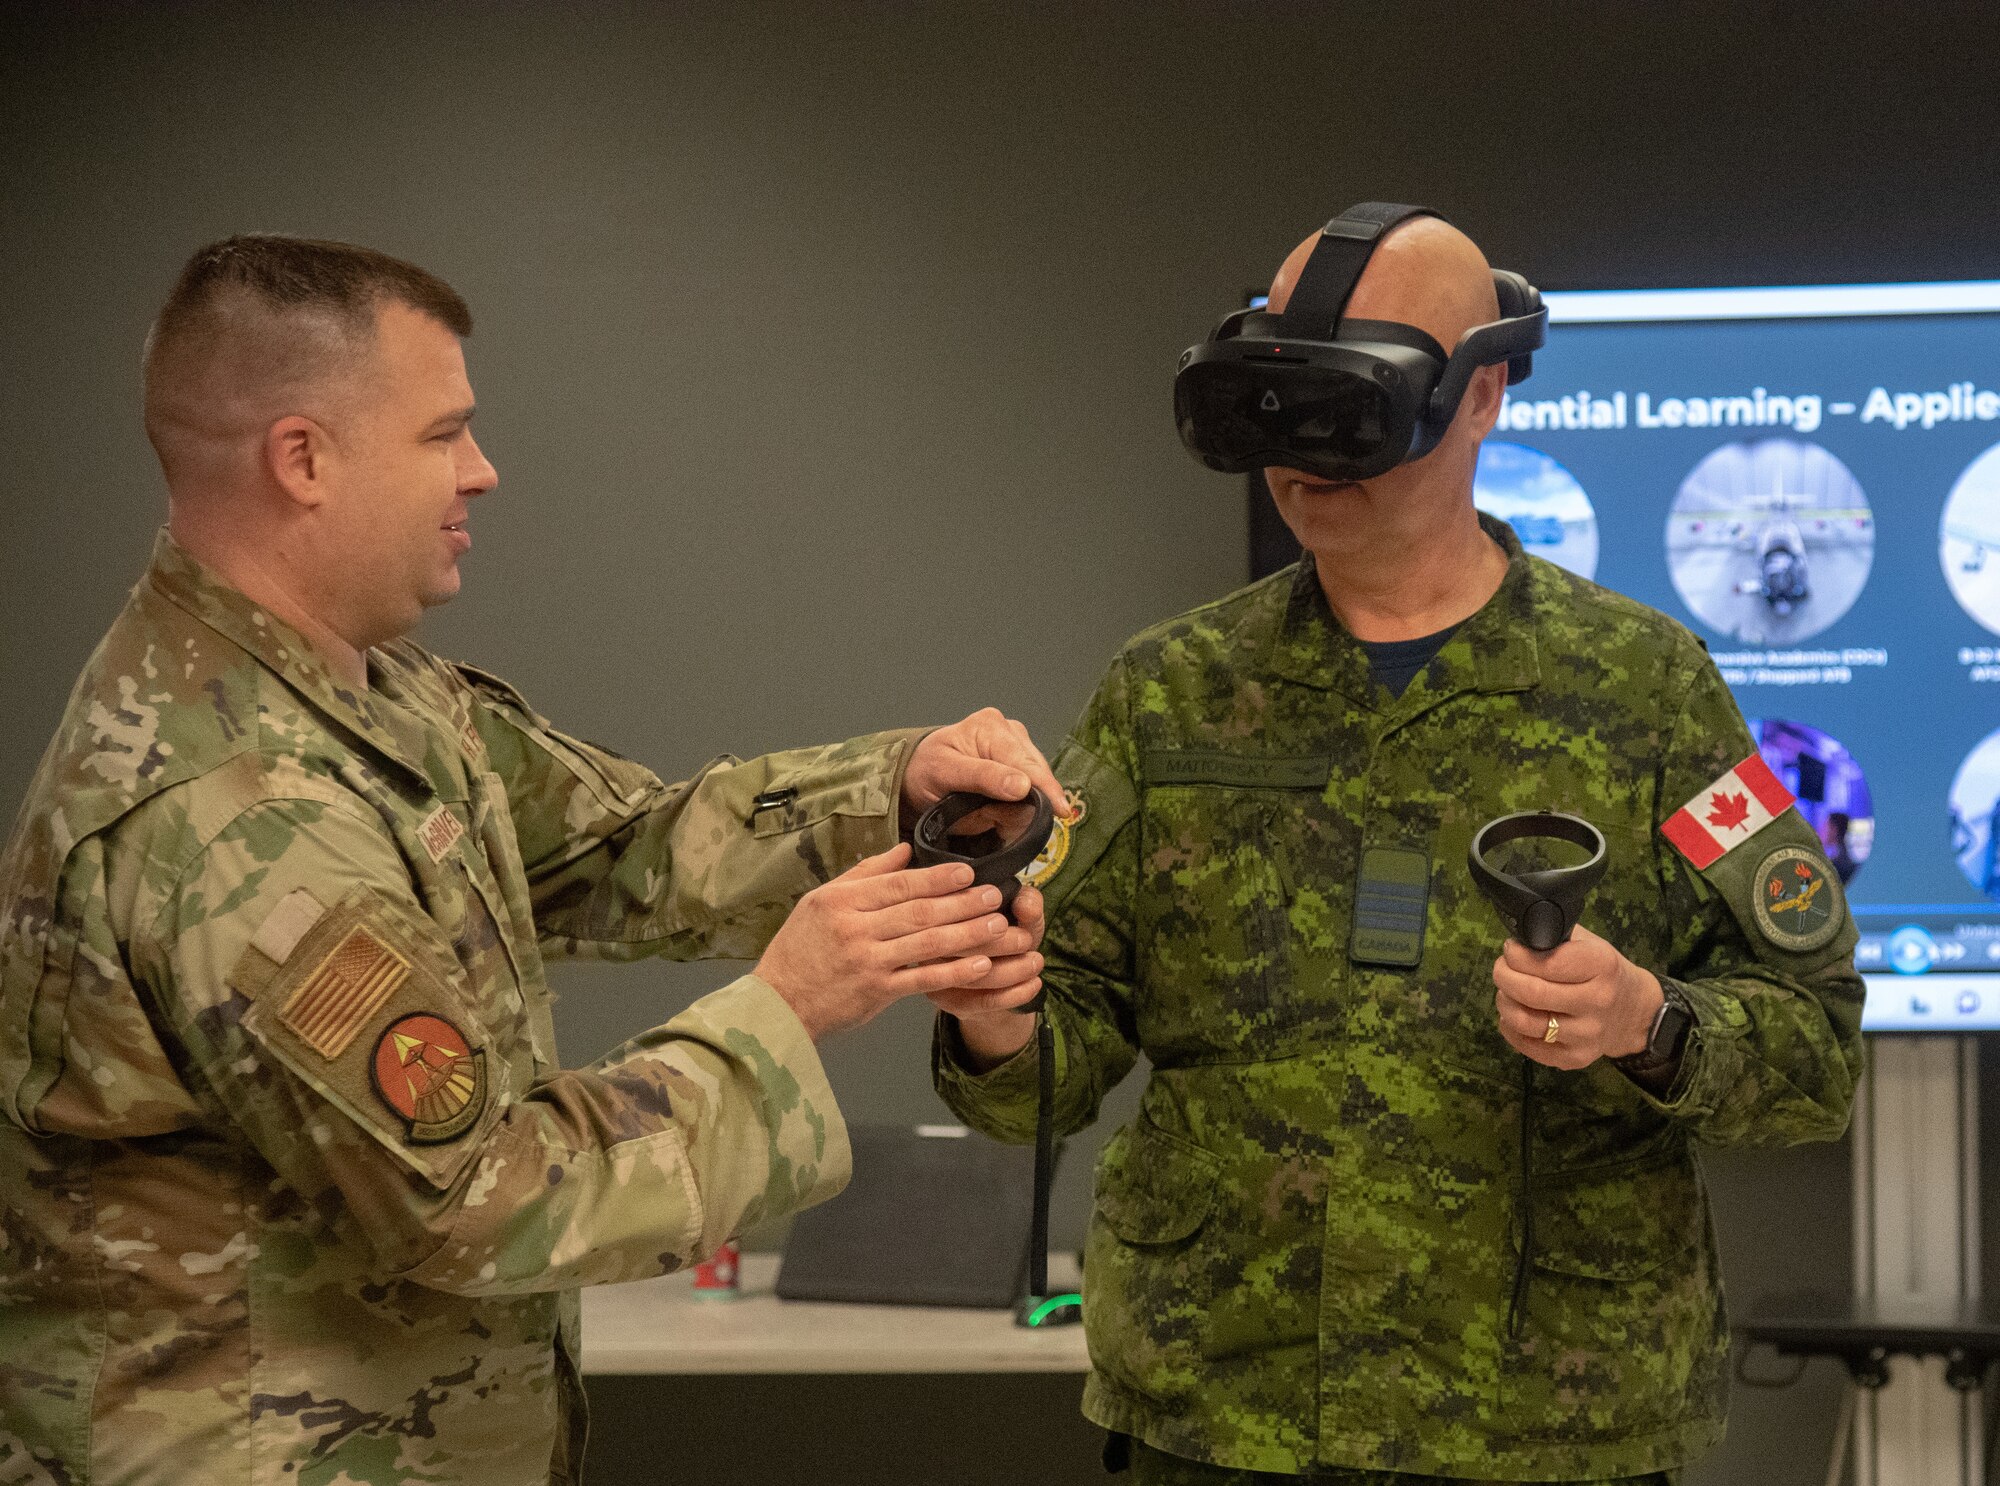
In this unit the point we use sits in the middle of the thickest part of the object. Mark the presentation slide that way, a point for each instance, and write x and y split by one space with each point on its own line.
1809 479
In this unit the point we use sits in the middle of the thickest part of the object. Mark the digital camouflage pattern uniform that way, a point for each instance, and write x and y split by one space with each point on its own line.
1303 1247
292 1187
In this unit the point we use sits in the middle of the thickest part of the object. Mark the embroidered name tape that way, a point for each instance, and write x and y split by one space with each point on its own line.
440 832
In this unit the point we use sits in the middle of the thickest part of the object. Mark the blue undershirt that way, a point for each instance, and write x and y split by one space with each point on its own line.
1396 663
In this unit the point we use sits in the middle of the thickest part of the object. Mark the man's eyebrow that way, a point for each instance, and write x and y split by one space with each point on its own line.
457 418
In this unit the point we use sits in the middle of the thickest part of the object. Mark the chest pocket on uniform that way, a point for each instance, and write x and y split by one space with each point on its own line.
1217 887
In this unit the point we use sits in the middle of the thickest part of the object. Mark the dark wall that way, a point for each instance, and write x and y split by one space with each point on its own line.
824 350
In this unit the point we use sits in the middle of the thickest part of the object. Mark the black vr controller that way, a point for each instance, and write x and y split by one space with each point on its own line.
1344 399
1005 850
1540 908
997 858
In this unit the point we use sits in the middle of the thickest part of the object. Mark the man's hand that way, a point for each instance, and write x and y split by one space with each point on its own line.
988 754
1603 1004
877 933
989 1026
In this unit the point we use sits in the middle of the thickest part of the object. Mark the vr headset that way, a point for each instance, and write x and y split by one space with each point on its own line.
1341 399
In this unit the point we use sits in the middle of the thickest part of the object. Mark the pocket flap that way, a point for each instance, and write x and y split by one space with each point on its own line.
1619 1222
1153 1189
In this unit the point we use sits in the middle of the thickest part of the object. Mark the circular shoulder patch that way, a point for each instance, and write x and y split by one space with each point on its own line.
1056 852
1796 900
426 1072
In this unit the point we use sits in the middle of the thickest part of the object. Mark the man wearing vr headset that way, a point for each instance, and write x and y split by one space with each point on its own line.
1404 1198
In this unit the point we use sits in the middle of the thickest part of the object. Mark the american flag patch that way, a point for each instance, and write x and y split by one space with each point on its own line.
343 991
439 832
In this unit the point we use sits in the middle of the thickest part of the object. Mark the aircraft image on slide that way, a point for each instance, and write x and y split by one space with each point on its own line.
1771 542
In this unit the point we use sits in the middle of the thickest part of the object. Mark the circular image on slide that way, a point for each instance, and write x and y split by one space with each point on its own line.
1542 502
1975 816
1831 790
1969 539
1769 541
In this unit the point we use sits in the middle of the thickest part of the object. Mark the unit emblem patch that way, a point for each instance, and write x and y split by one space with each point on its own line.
425 1072
1056 852
1796 900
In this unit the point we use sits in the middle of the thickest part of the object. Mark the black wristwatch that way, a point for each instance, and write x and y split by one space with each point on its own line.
1671 1025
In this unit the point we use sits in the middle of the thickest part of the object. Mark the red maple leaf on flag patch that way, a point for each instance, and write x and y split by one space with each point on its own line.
1730 811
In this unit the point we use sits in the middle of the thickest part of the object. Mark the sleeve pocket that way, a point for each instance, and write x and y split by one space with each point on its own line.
357 1012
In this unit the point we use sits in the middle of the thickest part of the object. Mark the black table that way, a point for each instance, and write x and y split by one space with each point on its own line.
1864 1335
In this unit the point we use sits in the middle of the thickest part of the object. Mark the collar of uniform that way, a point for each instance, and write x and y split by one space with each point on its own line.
1492 651
188 585
1495 649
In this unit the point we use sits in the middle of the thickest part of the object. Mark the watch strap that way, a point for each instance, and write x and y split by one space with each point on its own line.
1668 1037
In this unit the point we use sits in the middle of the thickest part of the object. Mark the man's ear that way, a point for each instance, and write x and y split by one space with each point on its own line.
1481 407
298 457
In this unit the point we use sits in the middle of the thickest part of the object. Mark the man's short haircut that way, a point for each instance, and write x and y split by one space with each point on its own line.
276 311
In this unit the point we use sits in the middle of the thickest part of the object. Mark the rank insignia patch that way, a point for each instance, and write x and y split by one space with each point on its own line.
1796 900
426 1073
342 992
1056 852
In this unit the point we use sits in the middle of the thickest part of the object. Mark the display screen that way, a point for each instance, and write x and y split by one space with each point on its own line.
1809 479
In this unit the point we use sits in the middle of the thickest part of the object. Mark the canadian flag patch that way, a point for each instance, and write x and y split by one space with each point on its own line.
1729 812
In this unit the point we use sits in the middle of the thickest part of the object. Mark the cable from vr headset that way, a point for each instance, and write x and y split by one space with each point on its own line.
930 846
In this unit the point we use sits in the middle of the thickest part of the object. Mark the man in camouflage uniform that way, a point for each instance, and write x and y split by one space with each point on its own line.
292 1186
1306 1255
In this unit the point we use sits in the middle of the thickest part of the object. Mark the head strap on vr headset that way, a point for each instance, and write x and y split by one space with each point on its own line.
1326 283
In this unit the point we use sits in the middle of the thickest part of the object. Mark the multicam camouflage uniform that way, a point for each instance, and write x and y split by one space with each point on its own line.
292 1187
1303 1248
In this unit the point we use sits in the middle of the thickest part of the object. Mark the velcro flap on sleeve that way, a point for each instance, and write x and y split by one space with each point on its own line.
1786 895
353 1005
808 785
1102 800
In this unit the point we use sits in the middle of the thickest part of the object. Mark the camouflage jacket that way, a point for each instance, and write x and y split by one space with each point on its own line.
292 1187
1303 1248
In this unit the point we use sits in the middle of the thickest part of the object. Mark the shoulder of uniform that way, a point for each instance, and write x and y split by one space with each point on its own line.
162 700
1218 624
179 824
1602 618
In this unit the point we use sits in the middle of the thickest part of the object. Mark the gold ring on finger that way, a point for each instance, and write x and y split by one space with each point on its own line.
1555 1030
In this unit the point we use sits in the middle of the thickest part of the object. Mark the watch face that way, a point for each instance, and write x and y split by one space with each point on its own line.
1669 1029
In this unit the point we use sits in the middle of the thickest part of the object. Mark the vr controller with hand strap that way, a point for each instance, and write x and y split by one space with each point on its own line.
1342 399
997 858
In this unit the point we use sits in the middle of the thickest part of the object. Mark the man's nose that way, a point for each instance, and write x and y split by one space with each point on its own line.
478 476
